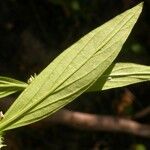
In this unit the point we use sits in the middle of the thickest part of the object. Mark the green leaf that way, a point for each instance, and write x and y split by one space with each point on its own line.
117 75
121 74
9 86
72 72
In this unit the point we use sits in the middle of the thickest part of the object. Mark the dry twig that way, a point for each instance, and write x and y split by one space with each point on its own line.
85 121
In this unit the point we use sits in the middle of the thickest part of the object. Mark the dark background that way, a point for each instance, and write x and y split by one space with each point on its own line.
34 32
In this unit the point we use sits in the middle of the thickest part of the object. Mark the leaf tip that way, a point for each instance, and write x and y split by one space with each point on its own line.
138 9
140 5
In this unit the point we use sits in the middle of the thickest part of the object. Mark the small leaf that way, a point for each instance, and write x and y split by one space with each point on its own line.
9 86
121 74
72 72
1 141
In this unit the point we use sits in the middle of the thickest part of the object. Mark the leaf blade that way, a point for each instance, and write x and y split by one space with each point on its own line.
121 74
71 73
9 86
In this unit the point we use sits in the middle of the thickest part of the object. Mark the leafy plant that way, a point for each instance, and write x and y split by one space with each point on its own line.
85 66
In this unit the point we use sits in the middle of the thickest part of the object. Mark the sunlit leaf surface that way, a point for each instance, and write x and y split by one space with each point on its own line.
72 72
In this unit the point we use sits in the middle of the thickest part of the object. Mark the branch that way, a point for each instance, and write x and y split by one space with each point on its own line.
143 113
85 121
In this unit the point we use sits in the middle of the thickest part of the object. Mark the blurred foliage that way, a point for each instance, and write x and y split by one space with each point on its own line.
139 147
